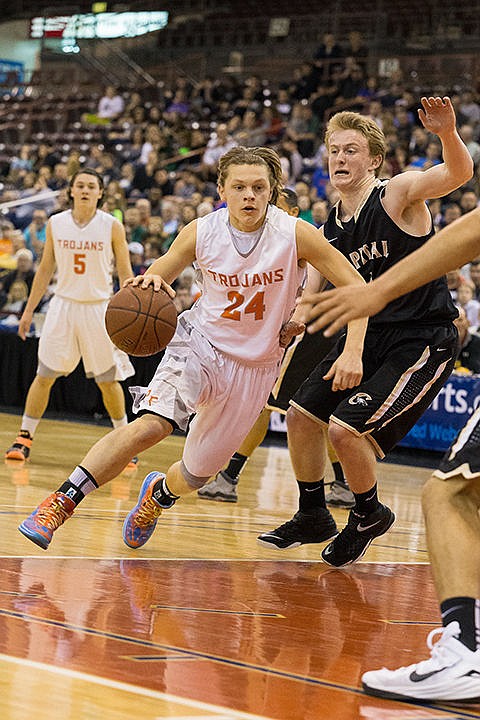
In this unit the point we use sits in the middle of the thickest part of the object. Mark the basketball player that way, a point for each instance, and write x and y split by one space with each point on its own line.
299 360
82 244
450 498
224 357
410 346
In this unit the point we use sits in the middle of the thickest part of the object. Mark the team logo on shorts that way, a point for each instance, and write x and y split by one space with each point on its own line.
359 399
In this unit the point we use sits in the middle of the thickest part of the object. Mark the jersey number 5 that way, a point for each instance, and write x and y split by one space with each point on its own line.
256 306
79 263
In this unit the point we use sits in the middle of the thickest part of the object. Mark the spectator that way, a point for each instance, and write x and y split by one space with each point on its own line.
454 280
466 300
466 133
24 273
328 55
36 233
468 201
469 108
357 49
303 128
451 212
153 246
144 176
474 271
468 345
170 219
219 143
110 105
134 230
432 156
319 211
183 299
137 252
16 298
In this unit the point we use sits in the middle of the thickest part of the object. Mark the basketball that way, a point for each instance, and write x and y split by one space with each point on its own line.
141 321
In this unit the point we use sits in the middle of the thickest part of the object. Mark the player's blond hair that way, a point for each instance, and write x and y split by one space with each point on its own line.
348 120
253 156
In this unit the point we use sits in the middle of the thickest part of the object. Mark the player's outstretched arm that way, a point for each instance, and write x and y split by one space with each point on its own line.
437 116
452 247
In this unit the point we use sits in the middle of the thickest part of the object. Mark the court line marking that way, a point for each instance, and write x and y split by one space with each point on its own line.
135 689
150 558
239 664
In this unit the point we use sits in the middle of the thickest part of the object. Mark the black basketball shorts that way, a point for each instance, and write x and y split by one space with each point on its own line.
301 357
403 370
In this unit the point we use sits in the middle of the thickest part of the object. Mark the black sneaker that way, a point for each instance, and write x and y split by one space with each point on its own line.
352 542
314 527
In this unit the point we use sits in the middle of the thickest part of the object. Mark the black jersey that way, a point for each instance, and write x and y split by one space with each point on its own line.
373 243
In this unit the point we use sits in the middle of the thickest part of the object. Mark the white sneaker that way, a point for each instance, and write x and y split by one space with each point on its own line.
452 674
220 488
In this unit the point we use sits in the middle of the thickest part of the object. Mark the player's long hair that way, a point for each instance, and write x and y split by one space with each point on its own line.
348 120
86 171
253 156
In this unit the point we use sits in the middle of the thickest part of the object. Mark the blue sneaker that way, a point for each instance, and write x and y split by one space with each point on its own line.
46 518
142 520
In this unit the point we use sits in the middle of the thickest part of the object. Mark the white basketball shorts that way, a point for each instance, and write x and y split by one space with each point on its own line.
224 395
74 330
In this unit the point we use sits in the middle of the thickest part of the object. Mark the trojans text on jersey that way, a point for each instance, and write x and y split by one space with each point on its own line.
247 279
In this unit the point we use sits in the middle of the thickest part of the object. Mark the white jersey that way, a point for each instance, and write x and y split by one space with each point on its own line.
84 256
246 297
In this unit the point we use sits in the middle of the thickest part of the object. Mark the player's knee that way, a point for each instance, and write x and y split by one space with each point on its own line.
150 429
437 493
45 382
339 436
297 421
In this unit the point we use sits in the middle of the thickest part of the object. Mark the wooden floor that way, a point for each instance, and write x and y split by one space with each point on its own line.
202 622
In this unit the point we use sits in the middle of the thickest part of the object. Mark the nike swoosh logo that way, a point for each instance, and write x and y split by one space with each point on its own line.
416 677
328 550
363 528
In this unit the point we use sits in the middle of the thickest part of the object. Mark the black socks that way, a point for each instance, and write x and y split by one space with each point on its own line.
312 496
163 495
235 466
466 611
367 502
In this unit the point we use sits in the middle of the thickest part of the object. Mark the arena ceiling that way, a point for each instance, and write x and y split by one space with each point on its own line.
267 8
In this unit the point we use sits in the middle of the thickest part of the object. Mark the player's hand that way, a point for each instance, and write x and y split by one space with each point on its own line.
346 372
24 324
333 309
288 332
145 281
437 115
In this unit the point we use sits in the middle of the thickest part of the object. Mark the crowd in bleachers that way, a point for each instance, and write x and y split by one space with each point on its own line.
158 151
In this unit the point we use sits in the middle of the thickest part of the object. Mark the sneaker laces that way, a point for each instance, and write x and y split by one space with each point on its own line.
440 654
53 515
147 513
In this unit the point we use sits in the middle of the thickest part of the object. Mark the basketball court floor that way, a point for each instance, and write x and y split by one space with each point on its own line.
202 623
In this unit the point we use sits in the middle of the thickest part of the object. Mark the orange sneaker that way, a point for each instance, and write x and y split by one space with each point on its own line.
46 518
20 449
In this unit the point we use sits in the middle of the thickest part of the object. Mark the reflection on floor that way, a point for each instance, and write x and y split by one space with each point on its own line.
202 622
